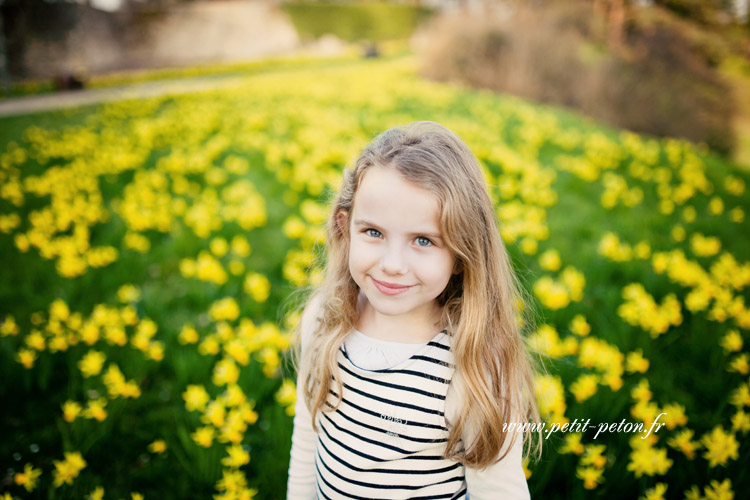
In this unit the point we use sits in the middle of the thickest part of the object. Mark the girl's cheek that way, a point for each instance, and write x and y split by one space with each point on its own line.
361 251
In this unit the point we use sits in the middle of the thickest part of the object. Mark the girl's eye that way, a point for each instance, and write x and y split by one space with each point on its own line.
373 232
423 242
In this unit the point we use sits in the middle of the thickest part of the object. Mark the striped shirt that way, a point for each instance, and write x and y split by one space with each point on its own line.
387 437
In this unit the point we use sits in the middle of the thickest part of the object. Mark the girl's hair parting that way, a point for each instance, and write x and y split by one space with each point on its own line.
481 305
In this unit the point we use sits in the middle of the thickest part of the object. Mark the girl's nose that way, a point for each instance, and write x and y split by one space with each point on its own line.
393 261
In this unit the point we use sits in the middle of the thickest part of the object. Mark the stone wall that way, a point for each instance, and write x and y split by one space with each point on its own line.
182 34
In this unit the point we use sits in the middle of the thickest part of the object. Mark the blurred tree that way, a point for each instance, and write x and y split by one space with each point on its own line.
25 20
4 75
612 15
707 12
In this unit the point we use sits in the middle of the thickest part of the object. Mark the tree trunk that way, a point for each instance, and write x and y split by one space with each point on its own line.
4 74
616 23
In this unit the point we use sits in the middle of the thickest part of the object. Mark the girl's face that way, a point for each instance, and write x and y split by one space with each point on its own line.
397 255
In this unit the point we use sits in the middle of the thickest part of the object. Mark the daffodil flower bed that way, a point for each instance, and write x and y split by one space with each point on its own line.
153 249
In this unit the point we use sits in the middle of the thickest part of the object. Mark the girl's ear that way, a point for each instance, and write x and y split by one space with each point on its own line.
342 222
457 267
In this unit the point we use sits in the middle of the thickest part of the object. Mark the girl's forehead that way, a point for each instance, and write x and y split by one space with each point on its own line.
384 195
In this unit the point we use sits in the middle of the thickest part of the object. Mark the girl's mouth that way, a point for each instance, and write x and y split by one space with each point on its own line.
389 288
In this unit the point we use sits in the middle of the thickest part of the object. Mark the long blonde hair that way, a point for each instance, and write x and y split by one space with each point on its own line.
479 305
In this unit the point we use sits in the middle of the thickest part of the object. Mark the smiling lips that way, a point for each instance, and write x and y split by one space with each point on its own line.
389 288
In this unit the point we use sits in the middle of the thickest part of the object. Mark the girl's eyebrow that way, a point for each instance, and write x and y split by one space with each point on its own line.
362 222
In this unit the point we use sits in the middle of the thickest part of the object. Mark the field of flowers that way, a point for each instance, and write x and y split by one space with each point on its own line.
153 250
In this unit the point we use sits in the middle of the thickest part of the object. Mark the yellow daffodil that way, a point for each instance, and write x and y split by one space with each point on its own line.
95 409
28 478
225 372
96 494
8 326
741 422
580 326
128 293
550 260
286 396
591 476
68 469
204 436
593 454
26 357
719 490
224 309
552 294
550 396
188 335
573 443
732 341
584 387
737 215
195 397
635 362
91 364
716 206
257 286
675 415
720 447
237 457
219 247
655 493
240 246
740 396
158 446
683 441
740 364
71 410
649 461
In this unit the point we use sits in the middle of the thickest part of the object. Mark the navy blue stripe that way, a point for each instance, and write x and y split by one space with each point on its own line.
371 441
348 448
444 495
395 403
334 488
376 459
376 414
458 495
406 372
440 346
423 375
433 360
388 471
383 431
366 440
386 486
393 386
317 484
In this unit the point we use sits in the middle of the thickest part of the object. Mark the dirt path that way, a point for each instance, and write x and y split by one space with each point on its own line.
73 98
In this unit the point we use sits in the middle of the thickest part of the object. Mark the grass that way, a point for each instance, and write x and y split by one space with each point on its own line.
190 174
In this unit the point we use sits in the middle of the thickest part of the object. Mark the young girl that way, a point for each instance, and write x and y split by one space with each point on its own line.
412 359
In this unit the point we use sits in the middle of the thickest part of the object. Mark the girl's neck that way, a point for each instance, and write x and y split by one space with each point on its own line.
411 330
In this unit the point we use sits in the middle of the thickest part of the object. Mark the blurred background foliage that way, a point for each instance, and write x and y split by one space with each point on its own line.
356 21
645 69
155 249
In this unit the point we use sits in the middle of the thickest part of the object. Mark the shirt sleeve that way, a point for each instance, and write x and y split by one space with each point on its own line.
301 482
504 479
